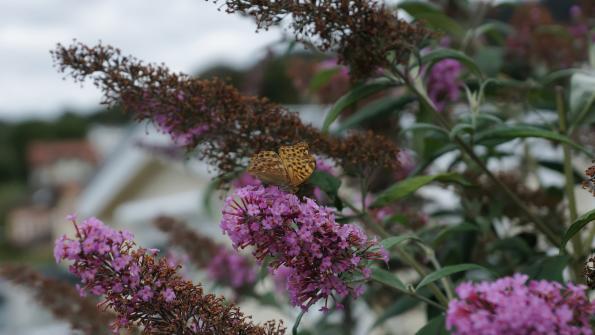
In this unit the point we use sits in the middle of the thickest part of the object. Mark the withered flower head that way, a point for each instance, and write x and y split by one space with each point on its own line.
590 271
365 34
226 127
60 298
200 249
590 184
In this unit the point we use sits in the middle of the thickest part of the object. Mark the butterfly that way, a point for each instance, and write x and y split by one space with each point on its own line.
289 168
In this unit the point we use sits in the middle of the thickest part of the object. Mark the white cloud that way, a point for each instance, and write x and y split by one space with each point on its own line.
185 34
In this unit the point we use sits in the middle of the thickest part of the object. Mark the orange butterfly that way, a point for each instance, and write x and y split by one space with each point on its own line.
289 168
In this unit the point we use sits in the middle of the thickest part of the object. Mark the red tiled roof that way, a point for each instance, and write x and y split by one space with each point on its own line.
43 153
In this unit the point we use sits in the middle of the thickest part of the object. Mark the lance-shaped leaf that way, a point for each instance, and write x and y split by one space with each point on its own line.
436 326
354 95
511 132
407 186
374 109
447 271
576 227
387 278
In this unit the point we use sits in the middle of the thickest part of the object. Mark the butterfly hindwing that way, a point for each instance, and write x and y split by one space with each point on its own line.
298 162
268 167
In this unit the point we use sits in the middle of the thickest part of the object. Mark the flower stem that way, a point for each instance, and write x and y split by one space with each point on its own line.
465 148
577 243
418 296
403 255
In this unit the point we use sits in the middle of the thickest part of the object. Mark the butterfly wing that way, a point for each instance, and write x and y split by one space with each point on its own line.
268 167
298 162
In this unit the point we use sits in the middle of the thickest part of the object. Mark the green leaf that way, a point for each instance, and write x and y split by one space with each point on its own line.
436 326
576 227
548 268
459 128
490 60
394 240
437 55
447 271
396 218
387 278
512 244
327 182
496 26
582 97
511 132
552 77
375 109
357 93
425 126
431 157
460 228
405 187
414 8
559 167
440 21
322 78
402 305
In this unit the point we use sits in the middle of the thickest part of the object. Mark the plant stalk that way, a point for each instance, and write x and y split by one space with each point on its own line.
577 243
540 225
402 254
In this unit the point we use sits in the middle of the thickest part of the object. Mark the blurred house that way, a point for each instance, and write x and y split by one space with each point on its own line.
58 169
54 164
145 177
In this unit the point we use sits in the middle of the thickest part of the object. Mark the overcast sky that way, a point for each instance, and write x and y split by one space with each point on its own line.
185 34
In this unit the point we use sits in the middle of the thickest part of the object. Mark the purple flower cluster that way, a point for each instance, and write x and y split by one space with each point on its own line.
171 125
98 247
513 306
320 254
444 83
229 267
245 179
145 291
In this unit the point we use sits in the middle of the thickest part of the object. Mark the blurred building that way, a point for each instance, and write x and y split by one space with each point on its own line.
58 170
54 164
145 177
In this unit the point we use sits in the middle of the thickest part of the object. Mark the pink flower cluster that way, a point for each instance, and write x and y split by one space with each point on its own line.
443 83
513 306
108 264
169 124
320 254
245 179
229 267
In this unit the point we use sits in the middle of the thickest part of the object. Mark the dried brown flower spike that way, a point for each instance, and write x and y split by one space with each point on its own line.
590 184
226 127
365 34
60 298
590 271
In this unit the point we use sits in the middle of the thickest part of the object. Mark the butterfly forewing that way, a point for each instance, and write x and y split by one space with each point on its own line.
268 167
298 163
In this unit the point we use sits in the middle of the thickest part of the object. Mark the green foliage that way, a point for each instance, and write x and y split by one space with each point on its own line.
436 326
387 278
408 186
577 226
447 271
353 96
548 268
